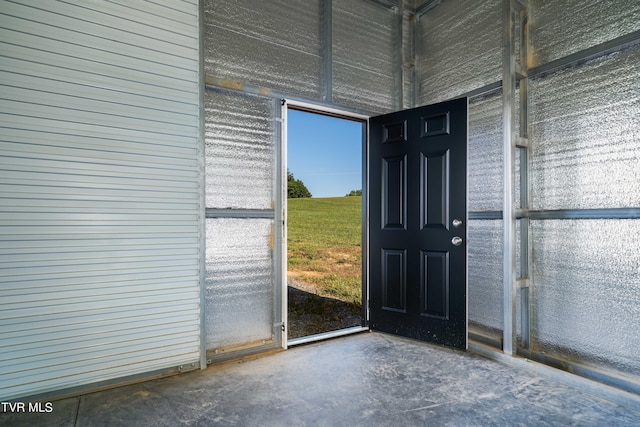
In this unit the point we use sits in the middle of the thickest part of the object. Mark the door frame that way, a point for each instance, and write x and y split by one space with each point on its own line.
281 215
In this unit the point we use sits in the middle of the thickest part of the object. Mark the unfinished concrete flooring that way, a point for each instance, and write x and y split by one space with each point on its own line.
369 379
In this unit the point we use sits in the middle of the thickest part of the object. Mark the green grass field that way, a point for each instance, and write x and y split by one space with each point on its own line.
324 245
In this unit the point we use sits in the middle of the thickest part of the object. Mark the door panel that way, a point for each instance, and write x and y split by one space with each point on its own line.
435 189
435 284
394 284
394 196
417 196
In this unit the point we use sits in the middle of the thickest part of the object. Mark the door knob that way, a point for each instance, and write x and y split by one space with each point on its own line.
456 222
457 241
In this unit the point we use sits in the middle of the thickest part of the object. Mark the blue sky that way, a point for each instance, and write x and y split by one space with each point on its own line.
325 153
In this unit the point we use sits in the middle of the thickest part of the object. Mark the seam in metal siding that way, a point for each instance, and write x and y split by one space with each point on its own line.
99 181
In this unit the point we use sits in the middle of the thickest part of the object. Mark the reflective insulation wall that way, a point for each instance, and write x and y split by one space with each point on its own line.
586 299
239 293
585 138
365 56
484 265
484 197
559 29
240 150
584 129
273 44
341 54
458 49
583 170
240 165
485 153
344 55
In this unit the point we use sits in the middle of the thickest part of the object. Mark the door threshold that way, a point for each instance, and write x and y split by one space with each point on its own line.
327 335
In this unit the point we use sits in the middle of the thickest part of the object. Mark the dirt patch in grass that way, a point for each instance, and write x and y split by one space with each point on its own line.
311 313
335 273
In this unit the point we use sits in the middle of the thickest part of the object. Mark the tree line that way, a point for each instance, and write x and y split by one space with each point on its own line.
296 188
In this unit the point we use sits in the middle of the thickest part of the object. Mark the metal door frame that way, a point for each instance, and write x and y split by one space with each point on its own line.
281 216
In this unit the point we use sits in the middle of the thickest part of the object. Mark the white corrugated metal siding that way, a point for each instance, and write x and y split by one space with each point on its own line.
99 189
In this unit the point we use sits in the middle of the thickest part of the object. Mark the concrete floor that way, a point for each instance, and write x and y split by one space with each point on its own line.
368 379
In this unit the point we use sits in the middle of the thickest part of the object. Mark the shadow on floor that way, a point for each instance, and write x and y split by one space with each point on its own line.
310 314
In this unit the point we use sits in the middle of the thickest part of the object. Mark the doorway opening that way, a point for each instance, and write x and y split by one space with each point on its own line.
325 161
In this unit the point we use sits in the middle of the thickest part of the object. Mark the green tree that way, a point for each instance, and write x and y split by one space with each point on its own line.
354 193
296 188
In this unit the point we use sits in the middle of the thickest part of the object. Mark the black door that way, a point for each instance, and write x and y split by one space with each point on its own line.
418 223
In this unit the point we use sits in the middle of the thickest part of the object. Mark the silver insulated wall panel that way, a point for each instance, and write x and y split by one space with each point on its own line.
586 297
485 194
485 153
365 54
240 165
586 155
274 44
240 150
239 295
485 274
560 28
584 132
99 181
459 48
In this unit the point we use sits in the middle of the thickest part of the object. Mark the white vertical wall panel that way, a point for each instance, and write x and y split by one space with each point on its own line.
99 189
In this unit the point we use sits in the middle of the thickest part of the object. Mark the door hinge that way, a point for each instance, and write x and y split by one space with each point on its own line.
279 324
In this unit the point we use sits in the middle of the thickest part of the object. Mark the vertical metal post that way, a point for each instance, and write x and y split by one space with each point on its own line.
281 221
410 76
202 224
512 281
509 214
398 53
327 50
417 46
365 223
523 146
279 256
